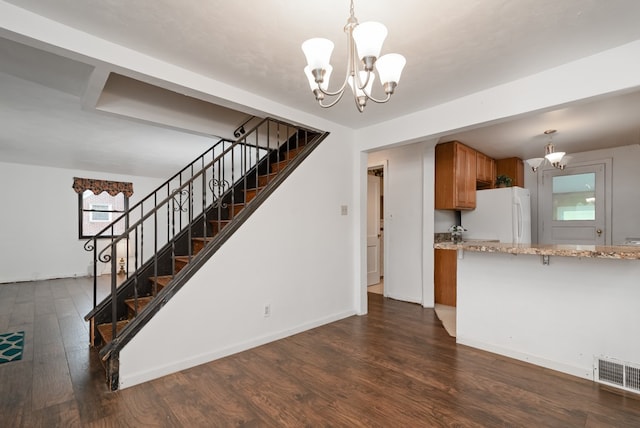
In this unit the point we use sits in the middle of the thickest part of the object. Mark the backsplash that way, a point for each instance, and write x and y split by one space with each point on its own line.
442 237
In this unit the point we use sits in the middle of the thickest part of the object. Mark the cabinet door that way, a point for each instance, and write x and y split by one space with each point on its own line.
445 277
512 168
455 178
486 171
465 167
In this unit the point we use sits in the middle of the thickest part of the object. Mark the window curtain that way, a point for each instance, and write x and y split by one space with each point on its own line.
99 186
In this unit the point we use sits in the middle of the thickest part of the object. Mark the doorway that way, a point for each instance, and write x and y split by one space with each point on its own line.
375 229
574 205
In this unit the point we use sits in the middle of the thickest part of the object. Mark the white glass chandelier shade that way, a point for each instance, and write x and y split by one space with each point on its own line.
535 163
390 67
361 92
369 37
318 53
364 43
564 161
556 159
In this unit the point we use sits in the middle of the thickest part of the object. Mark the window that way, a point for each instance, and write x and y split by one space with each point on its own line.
574 197
100 203
97 211
100 213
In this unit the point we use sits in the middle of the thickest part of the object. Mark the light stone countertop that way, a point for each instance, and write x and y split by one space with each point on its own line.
564 250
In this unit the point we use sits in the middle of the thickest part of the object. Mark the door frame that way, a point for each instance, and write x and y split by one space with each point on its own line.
385 190
608 186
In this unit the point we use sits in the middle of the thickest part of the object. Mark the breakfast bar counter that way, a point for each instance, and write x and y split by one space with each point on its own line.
593 251
557 306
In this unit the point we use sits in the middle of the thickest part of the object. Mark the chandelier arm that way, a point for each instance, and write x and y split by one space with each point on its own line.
338 92
350 63
358 84
334 102
377 100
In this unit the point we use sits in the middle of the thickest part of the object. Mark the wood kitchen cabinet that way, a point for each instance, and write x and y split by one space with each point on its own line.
455 186
485 171
512 168
444 276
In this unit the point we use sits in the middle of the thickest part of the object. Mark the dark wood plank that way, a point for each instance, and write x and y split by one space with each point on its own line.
395 366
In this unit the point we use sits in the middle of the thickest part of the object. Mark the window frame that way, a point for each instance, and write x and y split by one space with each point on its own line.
81 211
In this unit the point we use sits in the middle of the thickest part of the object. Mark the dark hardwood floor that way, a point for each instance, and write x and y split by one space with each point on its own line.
393 367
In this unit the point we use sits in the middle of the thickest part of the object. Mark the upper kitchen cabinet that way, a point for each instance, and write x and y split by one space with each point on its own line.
512 168
485 171
455 177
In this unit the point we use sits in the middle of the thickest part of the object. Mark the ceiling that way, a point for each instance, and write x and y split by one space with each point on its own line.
453 48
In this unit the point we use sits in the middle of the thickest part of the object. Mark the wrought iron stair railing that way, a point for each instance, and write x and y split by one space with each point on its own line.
161 241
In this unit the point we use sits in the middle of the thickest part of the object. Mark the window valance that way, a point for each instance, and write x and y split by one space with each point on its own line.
99 186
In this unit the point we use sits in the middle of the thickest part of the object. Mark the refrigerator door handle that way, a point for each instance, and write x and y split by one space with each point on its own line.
518 231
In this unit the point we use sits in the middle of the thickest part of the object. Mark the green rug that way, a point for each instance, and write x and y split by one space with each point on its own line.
11 346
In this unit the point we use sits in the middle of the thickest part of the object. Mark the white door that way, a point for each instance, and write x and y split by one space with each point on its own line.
573 206
373 229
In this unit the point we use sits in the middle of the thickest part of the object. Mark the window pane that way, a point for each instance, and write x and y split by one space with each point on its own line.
574 197
99 210
103 217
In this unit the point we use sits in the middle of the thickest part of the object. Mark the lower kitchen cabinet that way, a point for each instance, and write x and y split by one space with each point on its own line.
445 279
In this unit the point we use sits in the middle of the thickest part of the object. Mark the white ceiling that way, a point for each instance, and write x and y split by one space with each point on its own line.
453 48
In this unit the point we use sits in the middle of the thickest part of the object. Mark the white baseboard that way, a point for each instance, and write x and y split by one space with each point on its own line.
581 372
132 379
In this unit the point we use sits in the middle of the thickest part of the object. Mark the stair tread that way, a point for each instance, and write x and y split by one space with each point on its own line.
161 280
183 258
254 189
279 166
160 277
200 238
291 153
106 329
142 302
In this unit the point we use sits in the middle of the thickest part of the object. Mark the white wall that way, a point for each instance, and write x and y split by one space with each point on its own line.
558 316
625 197
39 221
295 253
607 72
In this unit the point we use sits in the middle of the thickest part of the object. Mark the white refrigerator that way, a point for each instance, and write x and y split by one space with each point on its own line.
503 214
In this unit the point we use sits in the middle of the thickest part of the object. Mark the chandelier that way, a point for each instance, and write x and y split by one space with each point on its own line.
364 41
556 159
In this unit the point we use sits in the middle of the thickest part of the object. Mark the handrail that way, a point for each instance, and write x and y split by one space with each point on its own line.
239 131
171 196
222 140
182 214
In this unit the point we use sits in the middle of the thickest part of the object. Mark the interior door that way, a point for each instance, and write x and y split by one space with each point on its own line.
574 206
373 229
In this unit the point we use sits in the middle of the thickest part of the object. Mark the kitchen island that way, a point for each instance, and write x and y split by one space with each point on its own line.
557 306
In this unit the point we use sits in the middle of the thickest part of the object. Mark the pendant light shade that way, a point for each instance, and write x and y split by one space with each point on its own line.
318 52
555 157
369 37
390 67
361 92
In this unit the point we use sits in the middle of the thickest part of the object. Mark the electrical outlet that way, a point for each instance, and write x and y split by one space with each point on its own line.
267 311
343 209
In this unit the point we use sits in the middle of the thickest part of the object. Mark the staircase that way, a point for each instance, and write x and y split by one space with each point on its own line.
164 239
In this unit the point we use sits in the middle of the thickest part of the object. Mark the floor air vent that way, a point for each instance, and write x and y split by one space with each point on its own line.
617 373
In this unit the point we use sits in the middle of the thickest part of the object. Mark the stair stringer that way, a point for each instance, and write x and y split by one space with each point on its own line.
215 306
